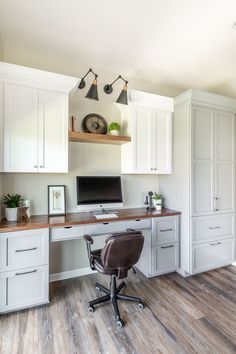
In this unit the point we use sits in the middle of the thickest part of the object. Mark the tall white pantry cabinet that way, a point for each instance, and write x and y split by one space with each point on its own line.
202 185
33 119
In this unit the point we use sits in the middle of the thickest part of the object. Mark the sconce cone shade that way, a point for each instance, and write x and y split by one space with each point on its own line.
123 98
93 91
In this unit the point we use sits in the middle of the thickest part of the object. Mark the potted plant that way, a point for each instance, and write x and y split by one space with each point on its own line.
12 202
114 128
158 200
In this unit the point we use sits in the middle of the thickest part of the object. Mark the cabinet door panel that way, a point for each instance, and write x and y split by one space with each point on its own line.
53 132
224 128
202 133
20 128
224 187
142 138
202 188
161 145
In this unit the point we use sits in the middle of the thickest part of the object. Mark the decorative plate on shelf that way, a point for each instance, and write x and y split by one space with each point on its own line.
95 124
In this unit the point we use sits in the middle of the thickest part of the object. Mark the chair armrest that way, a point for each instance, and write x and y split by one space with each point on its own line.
88 239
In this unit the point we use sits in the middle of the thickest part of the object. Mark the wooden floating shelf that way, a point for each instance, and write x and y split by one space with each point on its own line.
98 138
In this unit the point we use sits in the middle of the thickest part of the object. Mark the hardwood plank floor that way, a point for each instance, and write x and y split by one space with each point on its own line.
182 315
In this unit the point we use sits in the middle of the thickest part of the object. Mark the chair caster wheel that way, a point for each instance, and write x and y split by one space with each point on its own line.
119 323
91 309
97 289
140 305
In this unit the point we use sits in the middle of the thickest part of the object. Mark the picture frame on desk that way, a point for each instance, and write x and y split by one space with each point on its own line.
56 200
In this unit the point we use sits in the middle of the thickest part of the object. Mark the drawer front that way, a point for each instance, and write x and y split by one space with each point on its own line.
165 230
23 249
165 258
105 228
139 224
212 227
24 288
66 233
213 254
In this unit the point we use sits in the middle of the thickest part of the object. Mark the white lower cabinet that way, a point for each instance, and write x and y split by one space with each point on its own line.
160 253
24 270
212 255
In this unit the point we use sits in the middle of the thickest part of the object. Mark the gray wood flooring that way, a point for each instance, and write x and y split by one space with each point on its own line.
191 315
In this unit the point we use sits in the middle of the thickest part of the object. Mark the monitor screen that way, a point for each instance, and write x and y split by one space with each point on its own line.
99 190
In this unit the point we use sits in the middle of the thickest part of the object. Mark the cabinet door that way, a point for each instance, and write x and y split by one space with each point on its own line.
1 127
161 142
141 140
20 128
224 161
53 131
202 146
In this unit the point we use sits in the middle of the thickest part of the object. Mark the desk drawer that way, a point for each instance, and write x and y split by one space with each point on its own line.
212 227
165 258
105 228
24 288
66 233
139 224
213 254
165 229
23 249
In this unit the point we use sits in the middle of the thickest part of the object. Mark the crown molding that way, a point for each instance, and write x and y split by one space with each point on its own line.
21 75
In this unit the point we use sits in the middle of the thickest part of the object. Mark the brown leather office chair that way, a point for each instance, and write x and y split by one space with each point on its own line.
120 253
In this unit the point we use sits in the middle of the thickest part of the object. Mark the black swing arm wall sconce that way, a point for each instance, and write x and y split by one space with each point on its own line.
108 89
123 97
93 91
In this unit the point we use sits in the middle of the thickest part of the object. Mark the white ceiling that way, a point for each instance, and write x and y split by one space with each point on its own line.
183 43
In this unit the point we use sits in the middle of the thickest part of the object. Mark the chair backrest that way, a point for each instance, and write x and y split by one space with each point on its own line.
122 251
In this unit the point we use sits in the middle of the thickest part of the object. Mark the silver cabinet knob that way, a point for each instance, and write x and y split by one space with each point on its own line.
35 166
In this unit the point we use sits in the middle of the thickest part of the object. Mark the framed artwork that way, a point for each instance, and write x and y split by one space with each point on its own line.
56 200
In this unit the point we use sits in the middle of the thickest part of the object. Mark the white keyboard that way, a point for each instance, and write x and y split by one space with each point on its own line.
105 216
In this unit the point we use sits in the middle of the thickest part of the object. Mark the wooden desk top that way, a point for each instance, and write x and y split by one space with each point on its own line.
45 221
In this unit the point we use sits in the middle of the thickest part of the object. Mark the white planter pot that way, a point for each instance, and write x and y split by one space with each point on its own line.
158 204
11 214
114 132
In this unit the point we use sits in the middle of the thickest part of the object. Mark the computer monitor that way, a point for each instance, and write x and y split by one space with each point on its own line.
100 192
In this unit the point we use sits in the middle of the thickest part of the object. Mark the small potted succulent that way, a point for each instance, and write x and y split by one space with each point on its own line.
12 202
114 128
158 200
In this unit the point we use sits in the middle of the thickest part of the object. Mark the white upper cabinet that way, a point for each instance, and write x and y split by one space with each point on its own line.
148 120
213 161
1 127
35 119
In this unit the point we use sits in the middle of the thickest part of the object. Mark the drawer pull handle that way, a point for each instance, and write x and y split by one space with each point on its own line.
26 250
29 272
215 244
166 230
214 227
137 219
67 227
105 223
163 247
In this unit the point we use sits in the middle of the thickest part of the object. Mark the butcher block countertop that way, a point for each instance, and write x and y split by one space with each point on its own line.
45 221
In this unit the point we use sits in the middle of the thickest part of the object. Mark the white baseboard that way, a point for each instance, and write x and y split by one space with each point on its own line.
70 274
